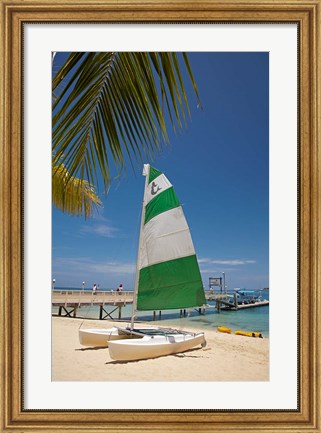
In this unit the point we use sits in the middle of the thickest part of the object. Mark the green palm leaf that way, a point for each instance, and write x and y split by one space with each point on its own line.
113 107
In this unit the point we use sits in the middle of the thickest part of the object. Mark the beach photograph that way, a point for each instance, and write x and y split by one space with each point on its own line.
160 217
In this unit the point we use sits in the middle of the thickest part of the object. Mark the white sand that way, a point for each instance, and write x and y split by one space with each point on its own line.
227 357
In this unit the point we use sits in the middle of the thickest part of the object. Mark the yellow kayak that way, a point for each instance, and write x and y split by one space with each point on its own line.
249 334
224 329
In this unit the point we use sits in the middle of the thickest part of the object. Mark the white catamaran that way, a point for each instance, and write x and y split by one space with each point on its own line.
167 277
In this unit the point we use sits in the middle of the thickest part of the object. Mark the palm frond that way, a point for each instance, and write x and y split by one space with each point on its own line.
72 195
111 109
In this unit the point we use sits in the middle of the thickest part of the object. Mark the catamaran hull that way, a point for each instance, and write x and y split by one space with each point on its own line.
99 337
154 346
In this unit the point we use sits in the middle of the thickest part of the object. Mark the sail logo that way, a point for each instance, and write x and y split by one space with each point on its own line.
155 188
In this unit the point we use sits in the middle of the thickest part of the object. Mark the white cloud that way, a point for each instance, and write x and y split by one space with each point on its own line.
78 264
216 271
114 267
100 226
234 262
103 230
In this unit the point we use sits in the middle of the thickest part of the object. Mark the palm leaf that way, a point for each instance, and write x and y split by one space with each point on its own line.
75 196
111 109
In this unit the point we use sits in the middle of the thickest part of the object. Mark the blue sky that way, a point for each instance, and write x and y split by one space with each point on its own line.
219 166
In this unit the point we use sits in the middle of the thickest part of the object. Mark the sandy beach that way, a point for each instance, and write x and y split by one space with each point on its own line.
227 357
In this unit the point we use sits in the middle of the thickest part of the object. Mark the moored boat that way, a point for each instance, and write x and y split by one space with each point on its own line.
155 345
100 337
167 277
249 334
224 329
167 272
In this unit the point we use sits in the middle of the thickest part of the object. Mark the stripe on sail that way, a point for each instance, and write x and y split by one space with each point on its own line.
153 173
165 237
168 272
170 285
163 202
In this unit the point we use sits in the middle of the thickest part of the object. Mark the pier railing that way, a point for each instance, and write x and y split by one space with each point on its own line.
108 301
86 297
69 301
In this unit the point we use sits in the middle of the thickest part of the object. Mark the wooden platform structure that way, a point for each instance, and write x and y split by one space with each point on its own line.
69 302
224 302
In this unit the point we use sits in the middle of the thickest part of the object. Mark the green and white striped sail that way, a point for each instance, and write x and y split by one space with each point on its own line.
169 275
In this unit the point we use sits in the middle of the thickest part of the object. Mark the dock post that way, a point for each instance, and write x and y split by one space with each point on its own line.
100 312
235 302
75 312
119 312
60 310
200 310
180 313
154 315
160 315
184 312
218 305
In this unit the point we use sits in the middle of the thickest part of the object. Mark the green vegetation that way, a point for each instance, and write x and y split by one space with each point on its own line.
110 110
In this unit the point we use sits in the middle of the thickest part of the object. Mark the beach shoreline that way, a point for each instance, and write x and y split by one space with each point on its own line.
227 357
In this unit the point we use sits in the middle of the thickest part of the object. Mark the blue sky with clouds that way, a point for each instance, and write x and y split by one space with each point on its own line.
219 166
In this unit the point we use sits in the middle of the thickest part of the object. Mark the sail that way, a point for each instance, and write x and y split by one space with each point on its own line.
169 275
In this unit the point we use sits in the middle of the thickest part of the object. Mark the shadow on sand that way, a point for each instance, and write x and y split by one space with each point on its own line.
83 349
188 354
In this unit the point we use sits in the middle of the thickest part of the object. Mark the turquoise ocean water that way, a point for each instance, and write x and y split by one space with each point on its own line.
252 319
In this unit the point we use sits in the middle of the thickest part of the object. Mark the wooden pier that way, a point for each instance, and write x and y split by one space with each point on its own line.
69 302
224 302
227 306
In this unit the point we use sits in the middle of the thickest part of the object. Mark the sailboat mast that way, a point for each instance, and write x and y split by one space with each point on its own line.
146 174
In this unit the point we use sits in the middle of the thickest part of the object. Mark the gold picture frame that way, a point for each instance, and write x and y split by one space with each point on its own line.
307 14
